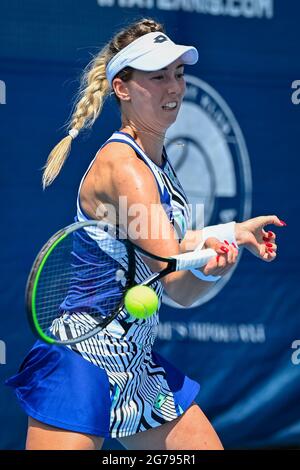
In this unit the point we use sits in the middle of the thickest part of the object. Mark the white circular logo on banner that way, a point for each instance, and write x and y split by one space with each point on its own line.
208 152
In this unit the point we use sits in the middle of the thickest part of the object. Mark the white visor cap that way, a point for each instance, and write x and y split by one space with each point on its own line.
149 53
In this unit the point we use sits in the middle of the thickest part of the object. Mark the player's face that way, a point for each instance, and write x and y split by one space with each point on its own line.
155 97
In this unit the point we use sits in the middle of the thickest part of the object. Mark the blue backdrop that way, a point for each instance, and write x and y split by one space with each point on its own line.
240 159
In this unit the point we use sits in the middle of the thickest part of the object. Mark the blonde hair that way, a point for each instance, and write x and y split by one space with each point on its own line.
93 90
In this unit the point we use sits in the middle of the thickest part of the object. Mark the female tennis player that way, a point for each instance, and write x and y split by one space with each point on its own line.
114 384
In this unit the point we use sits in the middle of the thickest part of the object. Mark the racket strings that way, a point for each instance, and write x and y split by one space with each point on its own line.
80 277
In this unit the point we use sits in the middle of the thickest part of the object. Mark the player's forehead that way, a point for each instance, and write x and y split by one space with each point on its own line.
173 67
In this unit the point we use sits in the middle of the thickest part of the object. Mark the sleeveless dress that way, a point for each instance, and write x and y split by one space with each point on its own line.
113 384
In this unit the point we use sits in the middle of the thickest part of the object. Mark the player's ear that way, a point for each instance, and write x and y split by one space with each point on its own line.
121 89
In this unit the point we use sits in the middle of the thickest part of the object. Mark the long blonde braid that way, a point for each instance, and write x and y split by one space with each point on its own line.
93 91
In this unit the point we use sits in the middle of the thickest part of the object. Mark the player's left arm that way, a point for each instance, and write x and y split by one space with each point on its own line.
251 234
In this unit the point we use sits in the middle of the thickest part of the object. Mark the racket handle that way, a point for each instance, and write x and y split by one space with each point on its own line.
194 259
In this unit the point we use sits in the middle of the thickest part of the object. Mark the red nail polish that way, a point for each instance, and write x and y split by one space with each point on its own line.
218 257
225 241
234 245
265 239
270 250
269 245
223 248
270 234
283 223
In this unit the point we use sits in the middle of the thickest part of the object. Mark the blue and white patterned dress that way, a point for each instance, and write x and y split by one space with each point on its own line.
113 384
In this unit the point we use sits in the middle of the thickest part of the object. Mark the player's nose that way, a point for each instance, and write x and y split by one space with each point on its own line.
174 87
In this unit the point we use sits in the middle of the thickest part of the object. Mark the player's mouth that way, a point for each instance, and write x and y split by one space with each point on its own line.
170 106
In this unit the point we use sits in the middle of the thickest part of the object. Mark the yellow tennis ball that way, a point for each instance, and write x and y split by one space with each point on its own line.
141 301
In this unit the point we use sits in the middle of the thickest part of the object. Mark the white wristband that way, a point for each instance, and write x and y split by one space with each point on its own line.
221 232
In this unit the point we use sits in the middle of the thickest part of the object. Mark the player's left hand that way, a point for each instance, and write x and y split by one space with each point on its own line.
252 235
223 262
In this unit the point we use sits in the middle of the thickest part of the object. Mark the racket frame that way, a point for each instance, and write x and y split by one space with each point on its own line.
173 264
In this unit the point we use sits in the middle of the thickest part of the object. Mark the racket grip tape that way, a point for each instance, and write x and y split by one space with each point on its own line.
194 259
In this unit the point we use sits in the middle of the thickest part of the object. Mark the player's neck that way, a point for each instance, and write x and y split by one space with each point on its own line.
152 143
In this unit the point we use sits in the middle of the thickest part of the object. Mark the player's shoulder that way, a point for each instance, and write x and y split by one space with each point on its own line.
115 149
125 173
121 158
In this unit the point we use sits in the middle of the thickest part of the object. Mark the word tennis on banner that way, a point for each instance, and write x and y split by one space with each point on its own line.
234 8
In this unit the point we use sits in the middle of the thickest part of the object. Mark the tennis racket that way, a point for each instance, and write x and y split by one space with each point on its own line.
87 268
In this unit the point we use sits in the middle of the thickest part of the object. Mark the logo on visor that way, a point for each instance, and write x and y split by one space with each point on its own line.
161 38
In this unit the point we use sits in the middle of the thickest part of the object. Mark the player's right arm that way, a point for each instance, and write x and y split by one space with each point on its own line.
128 179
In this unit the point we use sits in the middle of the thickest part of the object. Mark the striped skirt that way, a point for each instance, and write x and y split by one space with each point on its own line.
111 385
